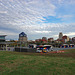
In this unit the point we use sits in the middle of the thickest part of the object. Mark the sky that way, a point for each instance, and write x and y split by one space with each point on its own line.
37 18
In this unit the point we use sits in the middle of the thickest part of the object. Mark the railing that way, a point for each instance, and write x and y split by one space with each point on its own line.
7 48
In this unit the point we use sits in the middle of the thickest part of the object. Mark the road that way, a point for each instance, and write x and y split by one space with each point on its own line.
54 49
63 48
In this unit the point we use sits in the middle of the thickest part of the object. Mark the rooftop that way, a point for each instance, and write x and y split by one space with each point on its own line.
22 34
3 35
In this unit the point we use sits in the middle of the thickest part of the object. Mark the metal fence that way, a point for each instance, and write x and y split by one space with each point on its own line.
7 48
25 49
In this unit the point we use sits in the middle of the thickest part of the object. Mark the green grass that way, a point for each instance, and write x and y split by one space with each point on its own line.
21 63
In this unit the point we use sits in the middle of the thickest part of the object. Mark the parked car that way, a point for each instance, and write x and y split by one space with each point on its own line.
39 49
32 45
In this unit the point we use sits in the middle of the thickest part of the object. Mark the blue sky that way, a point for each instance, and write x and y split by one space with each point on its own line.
37 18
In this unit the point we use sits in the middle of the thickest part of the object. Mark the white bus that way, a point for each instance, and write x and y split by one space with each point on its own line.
44 48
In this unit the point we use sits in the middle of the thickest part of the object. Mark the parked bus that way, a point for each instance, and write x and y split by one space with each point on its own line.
44 48
71 45
65 46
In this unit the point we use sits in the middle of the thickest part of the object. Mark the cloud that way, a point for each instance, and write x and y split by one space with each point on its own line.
44 32
62 2
11 0
3 12
6 32
26 12
28 15
55 36
65 16
70 34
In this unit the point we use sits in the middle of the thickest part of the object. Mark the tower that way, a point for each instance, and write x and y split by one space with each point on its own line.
60 35
22 37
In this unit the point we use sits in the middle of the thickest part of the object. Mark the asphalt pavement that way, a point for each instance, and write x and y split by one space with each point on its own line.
63 48
54 49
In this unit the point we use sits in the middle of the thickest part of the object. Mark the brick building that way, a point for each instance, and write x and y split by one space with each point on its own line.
50 39
65 39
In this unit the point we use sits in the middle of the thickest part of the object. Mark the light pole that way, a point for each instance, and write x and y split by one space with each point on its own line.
20 46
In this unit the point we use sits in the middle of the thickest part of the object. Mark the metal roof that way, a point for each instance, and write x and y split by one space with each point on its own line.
22 34
3 35
6 42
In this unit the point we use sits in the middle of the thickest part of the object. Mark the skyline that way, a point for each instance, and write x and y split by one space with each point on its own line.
37 18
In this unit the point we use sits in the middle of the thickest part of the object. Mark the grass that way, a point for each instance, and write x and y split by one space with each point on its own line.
21 63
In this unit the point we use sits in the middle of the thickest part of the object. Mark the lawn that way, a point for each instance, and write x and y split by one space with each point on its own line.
21 63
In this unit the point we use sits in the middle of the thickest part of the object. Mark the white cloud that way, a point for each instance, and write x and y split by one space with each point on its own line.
70 34
10 34
65 16
60 1
55 36
28 15
11 0
3 12
63 2
44 32
6 32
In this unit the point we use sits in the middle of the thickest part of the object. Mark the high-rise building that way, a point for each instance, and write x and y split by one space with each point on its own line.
60 36
73 39
44 38
22 37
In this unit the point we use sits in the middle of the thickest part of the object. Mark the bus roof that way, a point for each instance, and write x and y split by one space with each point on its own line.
47 45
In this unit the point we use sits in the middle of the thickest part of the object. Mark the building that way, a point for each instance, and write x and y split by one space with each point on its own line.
44 39
58 41
3 43
2 38
73 39
60 36
65 39
38 40
50 39
22 37
30 40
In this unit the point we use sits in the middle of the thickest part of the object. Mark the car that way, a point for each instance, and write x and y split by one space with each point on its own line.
39 49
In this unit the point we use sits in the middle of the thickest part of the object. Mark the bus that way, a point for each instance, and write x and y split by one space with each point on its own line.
65 46
44 48
71 45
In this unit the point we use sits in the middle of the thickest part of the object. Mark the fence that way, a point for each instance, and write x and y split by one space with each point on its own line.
23 49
